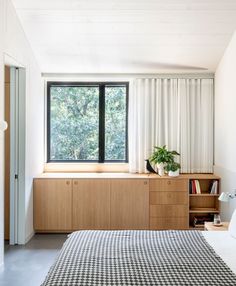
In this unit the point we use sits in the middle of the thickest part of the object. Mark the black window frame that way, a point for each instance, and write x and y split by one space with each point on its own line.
101 128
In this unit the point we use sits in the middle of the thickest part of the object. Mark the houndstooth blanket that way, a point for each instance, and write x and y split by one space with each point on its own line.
139 258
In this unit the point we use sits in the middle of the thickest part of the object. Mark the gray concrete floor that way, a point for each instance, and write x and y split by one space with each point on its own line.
28 265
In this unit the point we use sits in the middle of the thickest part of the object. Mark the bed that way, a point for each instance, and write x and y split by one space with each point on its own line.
145 258
224 245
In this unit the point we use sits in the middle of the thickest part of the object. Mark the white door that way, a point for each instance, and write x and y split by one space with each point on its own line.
17 155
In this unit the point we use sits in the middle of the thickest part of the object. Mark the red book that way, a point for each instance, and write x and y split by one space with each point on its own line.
194 187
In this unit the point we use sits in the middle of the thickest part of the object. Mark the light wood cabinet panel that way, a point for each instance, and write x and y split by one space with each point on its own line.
170 185
168 198
52 205
129 204
91 204
168 211
168 223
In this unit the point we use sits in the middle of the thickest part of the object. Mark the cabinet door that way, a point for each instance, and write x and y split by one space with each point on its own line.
166 198
129 204
169 185
168 223
168 211
91 204
52 205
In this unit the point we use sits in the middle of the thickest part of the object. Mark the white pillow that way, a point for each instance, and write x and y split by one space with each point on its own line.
232 225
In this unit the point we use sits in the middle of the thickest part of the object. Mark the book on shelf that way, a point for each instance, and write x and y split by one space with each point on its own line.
192 189
198 188
195 187
214 188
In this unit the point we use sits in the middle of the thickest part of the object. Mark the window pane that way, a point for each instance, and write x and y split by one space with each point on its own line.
115 123
74 123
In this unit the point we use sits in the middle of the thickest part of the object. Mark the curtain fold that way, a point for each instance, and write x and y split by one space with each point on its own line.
173 112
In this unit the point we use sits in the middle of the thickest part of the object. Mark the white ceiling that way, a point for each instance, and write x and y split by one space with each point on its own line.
127 36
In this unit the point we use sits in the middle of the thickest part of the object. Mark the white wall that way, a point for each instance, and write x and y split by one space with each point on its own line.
1 134
14 45
225 124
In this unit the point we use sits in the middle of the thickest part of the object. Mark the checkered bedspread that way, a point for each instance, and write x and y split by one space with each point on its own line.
139 258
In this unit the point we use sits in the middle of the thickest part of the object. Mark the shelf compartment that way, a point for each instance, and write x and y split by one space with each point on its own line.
205 185
203 202
199 215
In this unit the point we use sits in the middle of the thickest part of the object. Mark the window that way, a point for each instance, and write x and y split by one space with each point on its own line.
87 122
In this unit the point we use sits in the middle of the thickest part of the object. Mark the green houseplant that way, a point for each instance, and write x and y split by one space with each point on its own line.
161 157
173 169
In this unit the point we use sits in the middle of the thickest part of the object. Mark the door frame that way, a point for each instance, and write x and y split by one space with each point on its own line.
17 150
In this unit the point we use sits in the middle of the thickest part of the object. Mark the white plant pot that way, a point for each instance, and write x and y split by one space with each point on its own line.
161 170
174 174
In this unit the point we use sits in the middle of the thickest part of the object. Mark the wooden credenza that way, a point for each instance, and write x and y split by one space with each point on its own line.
64 203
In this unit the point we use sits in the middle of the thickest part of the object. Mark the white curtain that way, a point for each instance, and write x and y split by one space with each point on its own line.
173 112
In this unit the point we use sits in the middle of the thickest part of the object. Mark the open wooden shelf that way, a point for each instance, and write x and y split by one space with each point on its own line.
204 195
203 210
205 186
203 205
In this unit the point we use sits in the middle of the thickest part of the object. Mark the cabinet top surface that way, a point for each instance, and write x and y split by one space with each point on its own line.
91 176
121 176
187 176
211 226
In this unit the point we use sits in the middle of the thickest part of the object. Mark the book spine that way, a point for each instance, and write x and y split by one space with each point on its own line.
198 187
194 187
216 188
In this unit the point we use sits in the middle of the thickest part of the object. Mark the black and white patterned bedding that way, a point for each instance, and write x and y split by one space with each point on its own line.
139 258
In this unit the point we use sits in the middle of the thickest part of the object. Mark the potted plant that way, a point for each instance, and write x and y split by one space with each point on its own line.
173 169
161 157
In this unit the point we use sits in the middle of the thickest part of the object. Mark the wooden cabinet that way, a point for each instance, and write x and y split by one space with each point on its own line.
61 205
151 202
91 204
168 204
129 204
52 205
